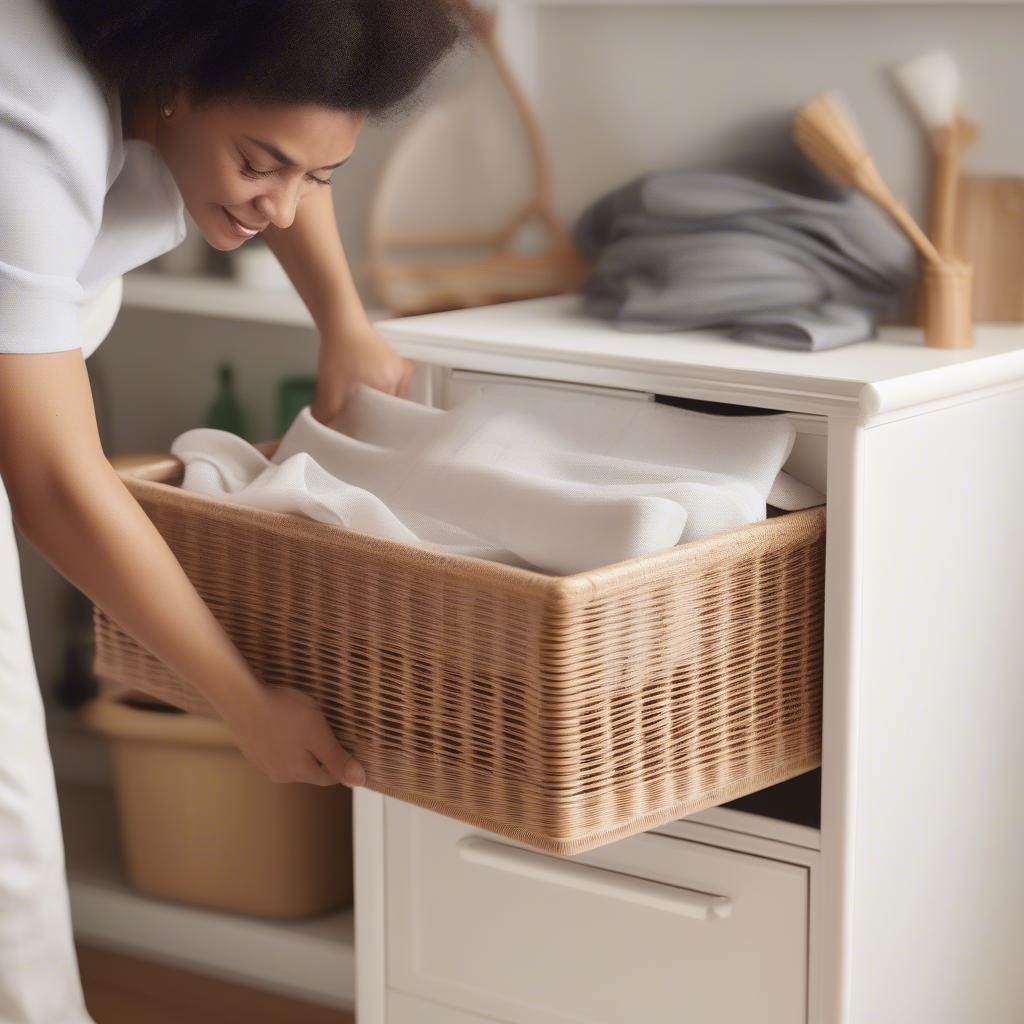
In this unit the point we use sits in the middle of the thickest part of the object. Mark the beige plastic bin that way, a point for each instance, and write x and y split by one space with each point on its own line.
201 825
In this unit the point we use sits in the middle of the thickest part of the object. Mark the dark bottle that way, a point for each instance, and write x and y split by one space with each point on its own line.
227 413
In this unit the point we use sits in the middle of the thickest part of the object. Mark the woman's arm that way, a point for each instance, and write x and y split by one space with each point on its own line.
70 503
312 255
351 349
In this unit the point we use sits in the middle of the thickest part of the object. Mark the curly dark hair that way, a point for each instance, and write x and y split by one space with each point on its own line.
355 55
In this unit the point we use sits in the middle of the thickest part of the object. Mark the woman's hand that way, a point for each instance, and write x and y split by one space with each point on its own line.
358 355
73 507
283 733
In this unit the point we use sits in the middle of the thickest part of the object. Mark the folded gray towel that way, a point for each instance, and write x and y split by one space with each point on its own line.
679 250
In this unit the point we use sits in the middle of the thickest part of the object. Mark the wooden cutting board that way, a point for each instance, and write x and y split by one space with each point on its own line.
990 235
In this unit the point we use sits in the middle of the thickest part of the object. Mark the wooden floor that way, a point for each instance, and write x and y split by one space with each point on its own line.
125 990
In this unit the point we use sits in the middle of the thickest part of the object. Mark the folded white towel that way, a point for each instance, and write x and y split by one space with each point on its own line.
557 481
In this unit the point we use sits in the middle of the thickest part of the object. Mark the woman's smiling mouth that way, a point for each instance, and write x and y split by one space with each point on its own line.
239 227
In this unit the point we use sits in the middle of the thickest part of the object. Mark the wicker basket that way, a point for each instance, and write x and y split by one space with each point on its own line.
563 712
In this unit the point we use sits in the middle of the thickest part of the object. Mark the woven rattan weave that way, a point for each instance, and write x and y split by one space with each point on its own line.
563 712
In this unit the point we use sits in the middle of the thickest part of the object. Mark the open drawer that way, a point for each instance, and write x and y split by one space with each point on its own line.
562 711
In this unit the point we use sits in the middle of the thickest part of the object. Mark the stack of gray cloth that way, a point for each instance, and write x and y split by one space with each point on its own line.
808 270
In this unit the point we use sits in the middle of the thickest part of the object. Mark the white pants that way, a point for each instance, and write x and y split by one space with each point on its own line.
39 981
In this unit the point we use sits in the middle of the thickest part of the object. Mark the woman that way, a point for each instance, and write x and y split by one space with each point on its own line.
115 115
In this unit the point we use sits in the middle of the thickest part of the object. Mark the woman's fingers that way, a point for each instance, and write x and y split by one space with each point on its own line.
336 760
316 774
407 371
283 732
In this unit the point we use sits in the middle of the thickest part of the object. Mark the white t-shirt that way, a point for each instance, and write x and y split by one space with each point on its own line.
79 206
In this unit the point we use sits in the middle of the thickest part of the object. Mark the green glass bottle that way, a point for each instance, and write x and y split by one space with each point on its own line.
293 393
227 413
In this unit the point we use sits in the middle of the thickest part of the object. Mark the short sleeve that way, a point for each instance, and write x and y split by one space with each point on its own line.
55 147
47 230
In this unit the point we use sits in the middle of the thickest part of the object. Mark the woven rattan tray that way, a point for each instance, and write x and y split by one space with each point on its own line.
563 712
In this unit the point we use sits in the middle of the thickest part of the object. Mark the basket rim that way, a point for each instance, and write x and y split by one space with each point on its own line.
154 478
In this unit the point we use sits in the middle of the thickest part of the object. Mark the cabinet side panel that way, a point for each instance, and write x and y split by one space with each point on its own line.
368 812
937 928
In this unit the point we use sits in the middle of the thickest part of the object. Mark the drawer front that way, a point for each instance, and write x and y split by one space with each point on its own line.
403 1009
807 461
462 384
652 929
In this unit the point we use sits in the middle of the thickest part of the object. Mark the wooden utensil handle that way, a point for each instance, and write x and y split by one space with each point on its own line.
871 183
949 144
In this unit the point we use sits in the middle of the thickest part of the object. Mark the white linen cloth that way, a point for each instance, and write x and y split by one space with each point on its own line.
557 481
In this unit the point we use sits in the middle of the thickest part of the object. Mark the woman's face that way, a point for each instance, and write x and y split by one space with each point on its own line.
242 167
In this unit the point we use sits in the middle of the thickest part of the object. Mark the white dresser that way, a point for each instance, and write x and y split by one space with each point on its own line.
895 899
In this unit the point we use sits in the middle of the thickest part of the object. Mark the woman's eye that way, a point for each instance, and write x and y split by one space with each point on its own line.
250 172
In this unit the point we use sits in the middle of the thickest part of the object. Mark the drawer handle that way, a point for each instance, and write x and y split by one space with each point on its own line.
685 902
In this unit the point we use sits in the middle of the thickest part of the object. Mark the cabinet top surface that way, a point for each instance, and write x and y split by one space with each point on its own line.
556 331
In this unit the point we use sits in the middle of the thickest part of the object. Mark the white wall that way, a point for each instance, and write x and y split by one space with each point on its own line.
626 89
621 90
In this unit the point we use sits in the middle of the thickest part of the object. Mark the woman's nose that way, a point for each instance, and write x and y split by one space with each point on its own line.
279 206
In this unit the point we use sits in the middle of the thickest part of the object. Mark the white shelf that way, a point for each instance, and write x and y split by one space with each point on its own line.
211 296
217 297
312 959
